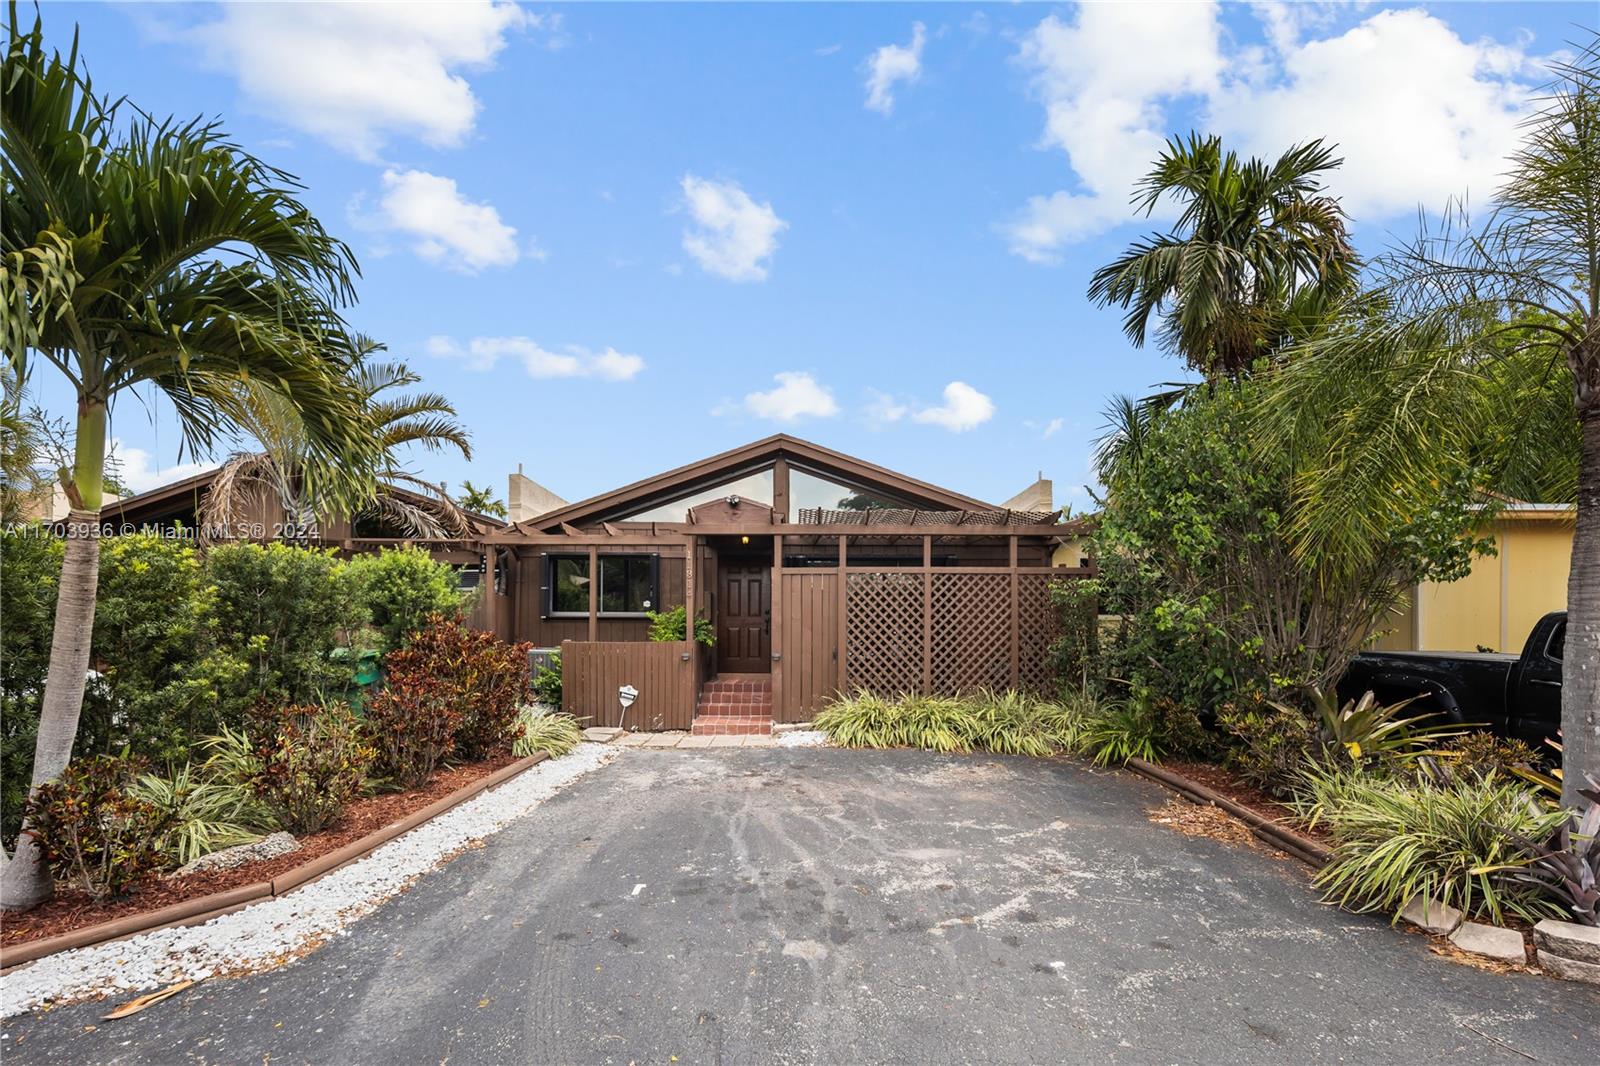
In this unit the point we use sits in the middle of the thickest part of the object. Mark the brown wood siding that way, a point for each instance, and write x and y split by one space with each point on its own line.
545 632
810 626
591 674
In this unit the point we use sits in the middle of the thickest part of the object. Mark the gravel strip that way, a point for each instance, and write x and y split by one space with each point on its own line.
803 738
278 930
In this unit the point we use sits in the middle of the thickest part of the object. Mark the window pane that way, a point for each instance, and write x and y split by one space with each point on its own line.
625 584
569 584
756 486
808 490
1558 642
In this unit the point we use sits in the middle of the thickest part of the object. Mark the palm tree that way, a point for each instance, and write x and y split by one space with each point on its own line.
292 470
1252 239
136 252
1490 349
481 499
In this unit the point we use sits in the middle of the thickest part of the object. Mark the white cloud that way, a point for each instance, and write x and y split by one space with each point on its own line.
883 409
964 408
1419 114
734 237
356 74
445 226
894 63
137 471
483 353
797 396
1051 429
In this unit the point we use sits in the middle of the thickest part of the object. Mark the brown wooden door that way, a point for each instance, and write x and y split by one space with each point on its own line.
744 618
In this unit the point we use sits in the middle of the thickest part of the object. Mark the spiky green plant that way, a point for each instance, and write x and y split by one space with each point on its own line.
1395 840
206 814
1366 730
542 730
1116 731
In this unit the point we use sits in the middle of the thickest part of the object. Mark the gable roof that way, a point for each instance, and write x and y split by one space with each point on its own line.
674 483
189 491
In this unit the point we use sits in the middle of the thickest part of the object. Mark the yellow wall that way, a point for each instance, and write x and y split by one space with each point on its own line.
1497 604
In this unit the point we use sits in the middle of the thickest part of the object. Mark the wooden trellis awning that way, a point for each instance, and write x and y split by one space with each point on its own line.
897 516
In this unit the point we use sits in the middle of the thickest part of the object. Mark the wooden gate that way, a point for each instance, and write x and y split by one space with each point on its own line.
665 673
810 614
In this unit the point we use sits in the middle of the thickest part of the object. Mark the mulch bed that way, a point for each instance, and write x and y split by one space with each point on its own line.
70 910
1220 779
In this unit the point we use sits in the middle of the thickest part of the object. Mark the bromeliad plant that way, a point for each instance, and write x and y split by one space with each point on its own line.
1566 866
1368 732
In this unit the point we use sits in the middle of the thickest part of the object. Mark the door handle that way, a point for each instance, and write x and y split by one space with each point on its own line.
1544 681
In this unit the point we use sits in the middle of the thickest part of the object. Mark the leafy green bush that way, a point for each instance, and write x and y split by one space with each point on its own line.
476 677
204 814
95 832
547 683
162 682
1395 839
674 624
310 762
401 588
283 610
30 567
1271 744
542 730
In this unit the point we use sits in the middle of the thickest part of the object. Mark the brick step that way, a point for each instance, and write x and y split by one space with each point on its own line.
735 687
733 726
742 699
735 710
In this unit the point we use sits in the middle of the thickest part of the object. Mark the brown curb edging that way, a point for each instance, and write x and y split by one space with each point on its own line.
1301 847
204 908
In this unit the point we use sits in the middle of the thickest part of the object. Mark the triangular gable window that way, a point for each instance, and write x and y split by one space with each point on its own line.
808 490
755 486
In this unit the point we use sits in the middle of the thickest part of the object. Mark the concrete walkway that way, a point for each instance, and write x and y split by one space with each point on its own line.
804 905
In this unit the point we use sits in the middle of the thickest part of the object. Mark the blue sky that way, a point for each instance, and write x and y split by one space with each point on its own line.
623 237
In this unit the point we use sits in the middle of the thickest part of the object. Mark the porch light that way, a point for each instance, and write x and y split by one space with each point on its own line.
745 539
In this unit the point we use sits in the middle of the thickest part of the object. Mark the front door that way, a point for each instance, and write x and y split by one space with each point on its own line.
744 618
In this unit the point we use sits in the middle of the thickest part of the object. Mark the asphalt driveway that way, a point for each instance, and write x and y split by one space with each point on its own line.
815 905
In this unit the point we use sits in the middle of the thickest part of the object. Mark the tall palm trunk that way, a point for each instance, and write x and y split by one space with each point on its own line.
1580 684
25 881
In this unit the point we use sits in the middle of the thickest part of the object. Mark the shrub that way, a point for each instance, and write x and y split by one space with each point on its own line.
1015 723
547 683
310 762
94 831
283 610
162 680
930 722
1271 743
1007 723
542 730
401 589
204 814
1486 755
414 721
674 625
451 671
1396 839
30 567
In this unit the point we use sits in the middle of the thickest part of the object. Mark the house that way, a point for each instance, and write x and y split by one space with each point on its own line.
817 572
1497 603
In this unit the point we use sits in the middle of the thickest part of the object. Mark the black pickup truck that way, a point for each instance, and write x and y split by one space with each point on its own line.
1513 695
